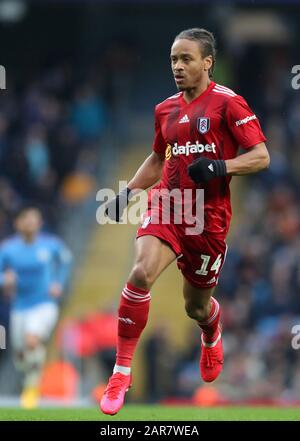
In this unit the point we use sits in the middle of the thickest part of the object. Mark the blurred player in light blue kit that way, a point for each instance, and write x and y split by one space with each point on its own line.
34 268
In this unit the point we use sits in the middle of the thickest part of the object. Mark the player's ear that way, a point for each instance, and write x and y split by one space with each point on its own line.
208 61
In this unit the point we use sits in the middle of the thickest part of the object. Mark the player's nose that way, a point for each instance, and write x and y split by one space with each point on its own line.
178 66
178 72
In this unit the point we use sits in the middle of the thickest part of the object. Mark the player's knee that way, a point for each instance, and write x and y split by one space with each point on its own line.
196 312
140 277
190 310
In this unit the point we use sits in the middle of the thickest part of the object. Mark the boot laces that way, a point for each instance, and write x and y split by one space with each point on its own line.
115 385
211 357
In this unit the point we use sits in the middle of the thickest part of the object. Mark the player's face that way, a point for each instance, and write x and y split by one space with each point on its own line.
29 222
188 65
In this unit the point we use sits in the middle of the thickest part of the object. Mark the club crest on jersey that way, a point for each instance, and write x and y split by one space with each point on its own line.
203 125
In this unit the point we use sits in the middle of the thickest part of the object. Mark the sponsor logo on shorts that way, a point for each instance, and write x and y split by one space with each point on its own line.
213 280
146 222
128 321
245 120
188 149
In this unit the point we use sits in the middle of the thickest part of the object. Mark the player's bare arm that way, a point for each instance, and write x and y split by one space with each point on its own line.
148 173
253 161
9 279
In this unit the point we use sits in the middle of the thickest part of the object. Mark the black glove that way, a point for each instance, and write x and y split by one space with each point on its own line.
204 169
115 208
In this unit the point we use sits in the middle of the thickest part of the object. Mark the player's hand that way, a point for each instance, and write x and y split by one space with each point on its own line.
9 279
55 290
9 282
115 208
205 169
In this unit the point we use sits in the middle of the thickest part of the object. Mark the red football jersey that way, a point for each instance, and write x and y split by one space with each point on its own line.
213 125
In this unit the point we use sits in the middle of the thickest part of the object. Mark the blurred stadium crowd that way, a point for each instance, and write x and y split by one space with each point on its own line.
51 128
261 281
50 145
49 131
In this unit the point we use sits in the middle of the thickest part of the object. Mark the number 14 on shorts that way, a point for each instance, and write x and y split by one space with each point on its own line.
203 271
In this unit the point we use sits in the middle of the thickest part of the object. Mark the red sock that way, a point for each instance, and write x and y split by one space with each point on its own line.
210 326
133 316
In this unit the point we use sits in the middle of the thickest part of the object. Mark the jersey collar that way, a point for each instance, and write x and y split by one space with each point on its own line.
198 98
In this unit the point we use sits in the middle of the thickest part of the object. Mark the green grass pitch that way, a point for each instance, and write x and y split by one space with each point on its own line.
154 413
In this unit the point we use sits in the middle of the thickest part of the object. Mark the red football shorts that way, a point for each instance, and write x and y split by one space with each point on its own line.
199 257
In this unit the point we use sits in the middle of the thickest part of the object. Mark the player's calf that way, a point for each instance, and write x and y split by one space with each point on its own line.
197 312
